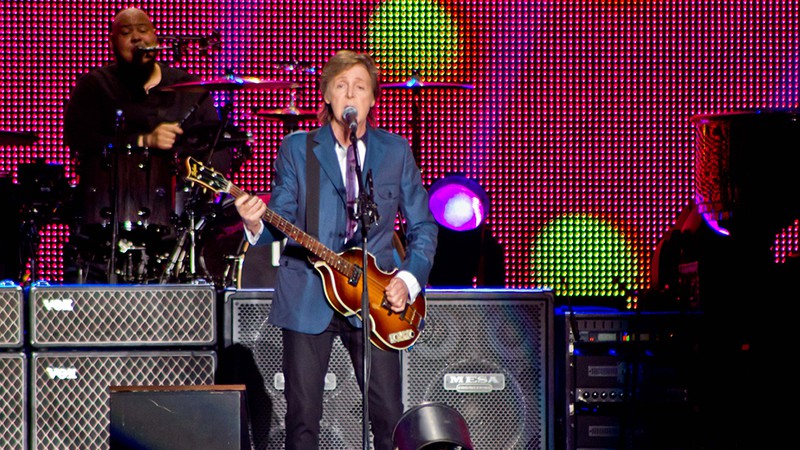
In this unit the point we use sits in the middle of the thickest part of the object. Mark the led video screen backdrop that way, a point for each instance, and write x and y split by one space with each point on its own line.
574 116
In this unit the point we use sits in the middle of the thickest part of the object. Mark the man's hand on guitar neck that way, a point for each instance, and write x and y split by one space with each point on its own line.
251 208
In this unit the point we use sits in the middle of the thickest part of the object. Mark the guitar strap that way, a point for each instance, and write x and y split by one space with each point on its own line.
312 187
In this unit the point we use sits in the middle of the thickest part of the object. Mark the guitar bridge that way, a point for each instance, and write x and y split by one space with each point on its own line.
356 275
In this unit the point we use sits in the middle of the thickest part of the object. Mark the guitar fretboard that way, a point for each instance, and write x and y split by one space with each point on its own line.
338 263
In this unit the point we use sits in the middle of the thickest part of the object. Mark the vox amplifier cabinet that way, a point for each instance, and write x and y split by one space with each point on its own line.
488 354
13 401
70 390
252 356
11 316
130 315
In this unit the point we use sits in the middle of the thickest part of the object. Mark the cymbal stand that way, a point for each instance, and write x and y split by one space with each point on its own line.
173 270
29 244
119 125
398 239
189 233
291 124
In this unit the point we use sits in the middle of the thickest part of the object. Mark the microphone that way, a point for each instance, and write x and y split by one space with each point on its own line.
153 49
350 117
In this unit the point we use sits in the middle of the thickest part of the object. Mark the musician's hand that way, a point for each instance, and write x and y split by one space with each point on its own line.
397 294
163 136
251 208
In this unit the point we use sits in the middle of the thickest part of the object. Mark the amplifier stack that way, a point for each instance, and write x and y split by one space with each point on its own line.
79 341
13 370
486 353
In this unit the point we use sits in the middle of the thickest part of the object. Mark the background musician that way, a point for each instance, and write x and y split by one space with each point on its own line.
125 133
309 323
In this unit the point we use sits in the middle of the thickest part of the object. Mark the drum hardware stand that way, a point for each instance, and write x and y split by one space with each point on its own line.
189 231
29 245
179 252
41 195
119 125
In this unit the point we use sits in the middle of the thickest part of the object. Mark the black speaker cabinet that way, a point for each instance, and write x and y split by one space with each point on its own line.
179 418
10 317
13 401
487 353
70 389
253 356
125 315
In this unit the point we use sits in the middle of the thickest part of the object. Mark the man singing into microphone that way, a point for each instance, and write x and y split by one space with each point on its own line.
117 117
319 200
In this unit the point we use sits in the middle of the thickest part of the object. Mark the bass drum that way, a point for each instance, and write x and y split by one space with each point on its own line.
220 245
260 265
226 259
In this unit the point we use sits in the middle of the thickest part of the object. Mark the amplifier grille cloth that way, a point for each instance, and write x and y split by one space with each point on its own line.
70 399
11 317
13 404
131 315
485 338
341 419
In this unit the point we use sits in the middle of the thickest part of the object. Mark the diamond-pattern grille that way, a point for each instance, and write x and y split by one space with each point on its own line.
130 315
13 404
11 317
341 419
486 336
70 400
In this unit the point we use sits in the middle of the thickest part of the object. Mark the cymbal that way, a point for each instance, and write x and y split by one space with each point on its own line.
17 138
232 83
416 84
288 113
201 136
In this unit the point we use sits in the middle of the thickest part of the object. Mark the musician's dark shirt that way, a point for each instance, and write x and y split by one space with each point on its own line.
93 129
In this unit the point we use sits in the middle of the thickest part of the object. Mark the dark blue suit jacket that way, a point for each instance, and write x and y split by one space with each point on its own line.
299 301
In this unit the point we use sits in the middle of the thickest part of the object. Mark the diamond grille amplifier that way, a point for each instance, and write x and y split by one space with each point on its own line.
70 390
248 333
487 354
13 401
103 316
10 317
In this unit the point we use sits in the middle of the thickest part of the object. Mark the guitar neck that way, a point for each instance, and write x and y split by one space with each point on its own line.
313 245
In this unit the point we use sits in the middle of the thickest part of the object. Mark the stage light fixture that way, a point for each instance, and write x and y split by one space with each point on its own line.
432 426
458 203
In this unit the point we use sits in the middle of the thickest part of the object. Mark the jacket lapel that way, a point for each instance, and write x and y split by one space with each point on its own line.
328 161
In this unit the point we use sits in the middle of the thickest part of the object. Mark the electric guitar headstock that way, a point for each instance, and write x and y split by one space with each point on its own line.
206 177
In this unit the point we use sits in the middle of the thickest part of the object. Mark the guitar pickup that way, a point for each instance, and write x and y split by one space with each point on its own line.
353 280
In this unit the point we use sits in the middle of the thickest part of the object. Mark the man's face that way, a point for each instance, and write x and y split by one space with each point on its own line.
131 29
353 87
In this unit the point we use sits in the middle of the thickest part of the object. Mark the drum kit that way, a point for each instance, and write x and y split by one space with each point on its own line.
205 240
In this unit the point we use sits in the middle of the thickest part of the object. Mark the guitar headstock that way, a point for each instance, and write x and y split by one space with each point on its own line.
206 176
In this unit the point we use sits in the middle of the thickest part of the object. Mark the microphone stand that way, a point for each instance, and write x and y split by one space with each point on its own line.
365 211
119 125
